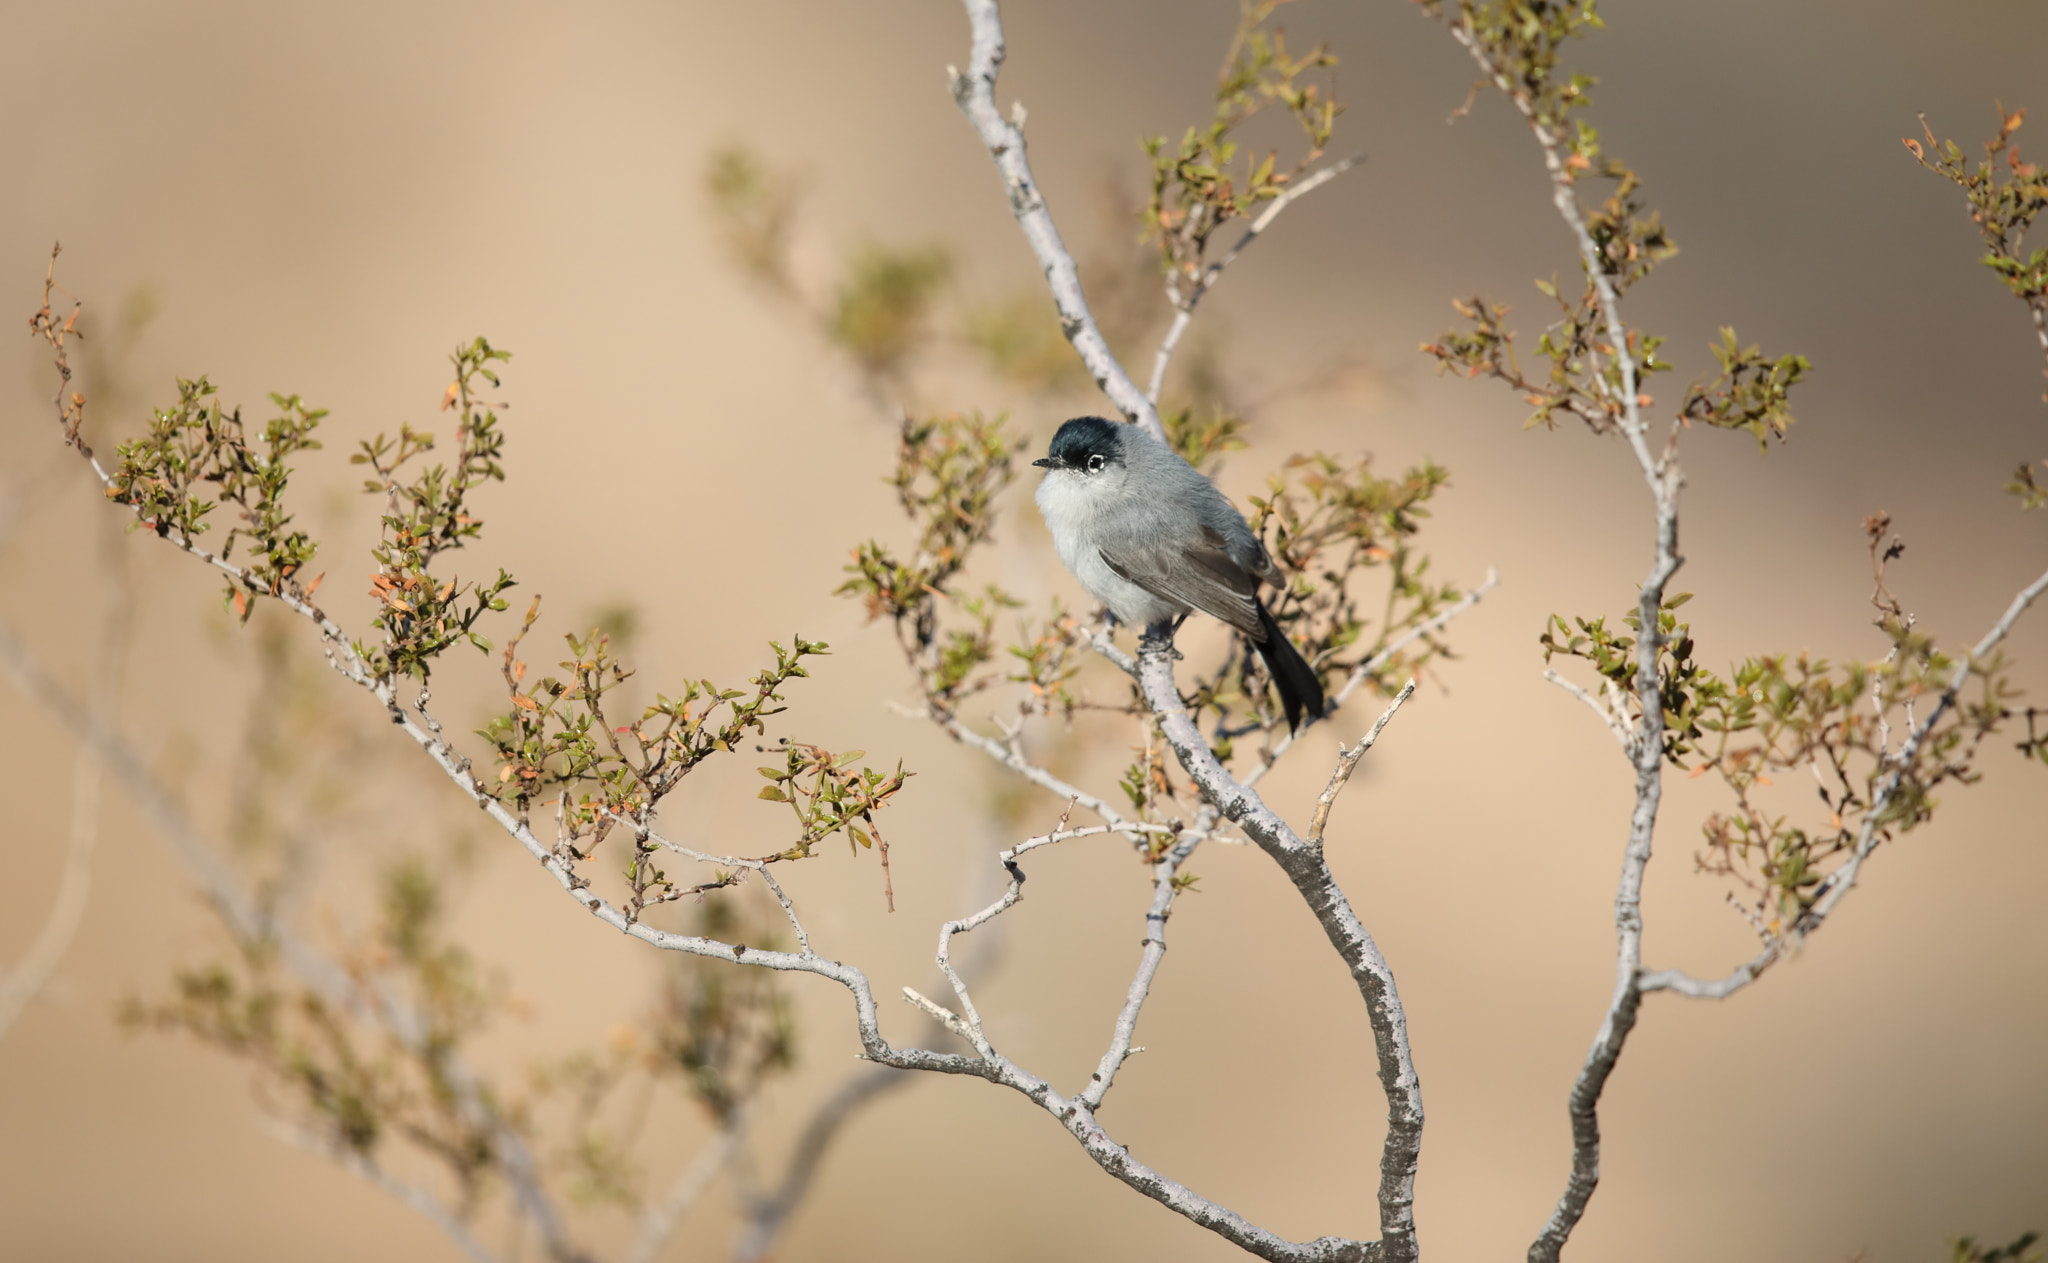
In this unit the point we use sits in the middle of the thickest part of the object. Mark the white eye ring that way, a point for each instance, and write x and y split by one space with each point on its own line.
1095 463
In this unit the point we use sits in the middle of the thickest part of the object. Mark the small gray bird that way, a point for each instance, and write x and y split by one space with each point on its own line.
1151 538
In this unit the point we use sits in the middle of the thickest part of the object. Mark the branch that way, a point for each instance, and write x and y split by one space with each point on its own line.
1184 310
974 91
659 1223
1304 865
1664 479
67 912
765 1220
1009 757
1365 670
1073 1113
1164 889
1837 885
247 921
1347 761
361 1164
1607 713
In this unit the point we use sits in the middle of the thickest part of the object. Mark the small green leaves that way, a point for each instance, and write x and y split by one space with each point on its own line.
2031 490
422 615
1193 191
948 473
880 311
355 1089
2019 1250
2003 204
1598 367
1751 393
827 797
1326 521
752 206
1845 727
1521 41
195 441
1201 443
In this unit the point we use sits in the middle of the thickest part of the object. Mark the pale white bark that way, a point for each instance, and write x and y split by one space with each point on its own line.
975 91
1185 304
1302 860
660 1221
248 921
38 965
367 1169
1837 885
1646 743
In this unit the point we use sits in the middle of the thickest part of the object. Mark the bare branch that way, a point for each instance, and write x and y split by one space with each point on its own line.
1347 761
363 1166
1185 310
1608 715
659 1223
974 91
1304 865
1165 887
67 912
765 1220
939 1013
1104 643
1008 756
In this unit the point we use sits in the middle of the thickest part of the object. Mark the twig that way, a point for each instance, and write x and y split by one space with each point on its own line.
1165 888
1102 642
1615 723
1837 885
1010 758
67 912
1364 670
361 1165
1184 310
659 1223
1347 760
939 1013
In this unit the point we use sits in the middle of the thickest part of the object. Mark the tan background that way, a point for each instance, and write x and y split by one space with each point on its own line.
327 197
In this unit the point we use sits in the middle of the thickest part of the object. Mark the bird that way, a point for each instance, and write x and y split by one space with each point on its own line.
1152 538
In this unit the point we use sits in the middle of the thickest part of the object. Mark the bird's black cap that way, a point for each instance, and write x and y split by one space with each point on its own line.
1081 438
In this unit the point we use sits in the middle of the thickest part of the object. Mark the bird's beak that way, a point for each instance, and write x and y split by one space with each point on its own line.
1045 462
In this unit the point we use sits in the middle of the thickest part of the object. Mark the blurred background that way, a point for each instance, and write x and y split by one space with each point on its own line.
325 199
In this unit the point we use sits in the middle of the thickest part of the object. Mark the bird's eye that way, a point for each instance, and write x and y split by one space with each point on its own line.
1095 463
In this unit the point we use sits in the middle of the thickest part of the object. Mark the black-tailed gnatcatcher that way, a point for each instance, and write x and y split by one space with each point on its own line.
1151 538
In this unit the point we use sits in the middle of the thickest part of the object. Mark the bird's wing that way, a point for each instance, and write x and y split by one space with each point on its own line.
1203 576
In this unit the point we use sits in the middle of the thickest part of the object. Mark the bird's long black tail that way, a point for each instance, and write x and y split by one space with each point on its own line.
1300 690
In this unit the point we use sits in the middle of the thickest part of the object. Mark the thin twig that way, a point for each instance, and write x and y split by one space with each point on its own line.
659 1223
39 964
1615 723
1365 670
362 1165
1184 309
1837 885
1347 760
